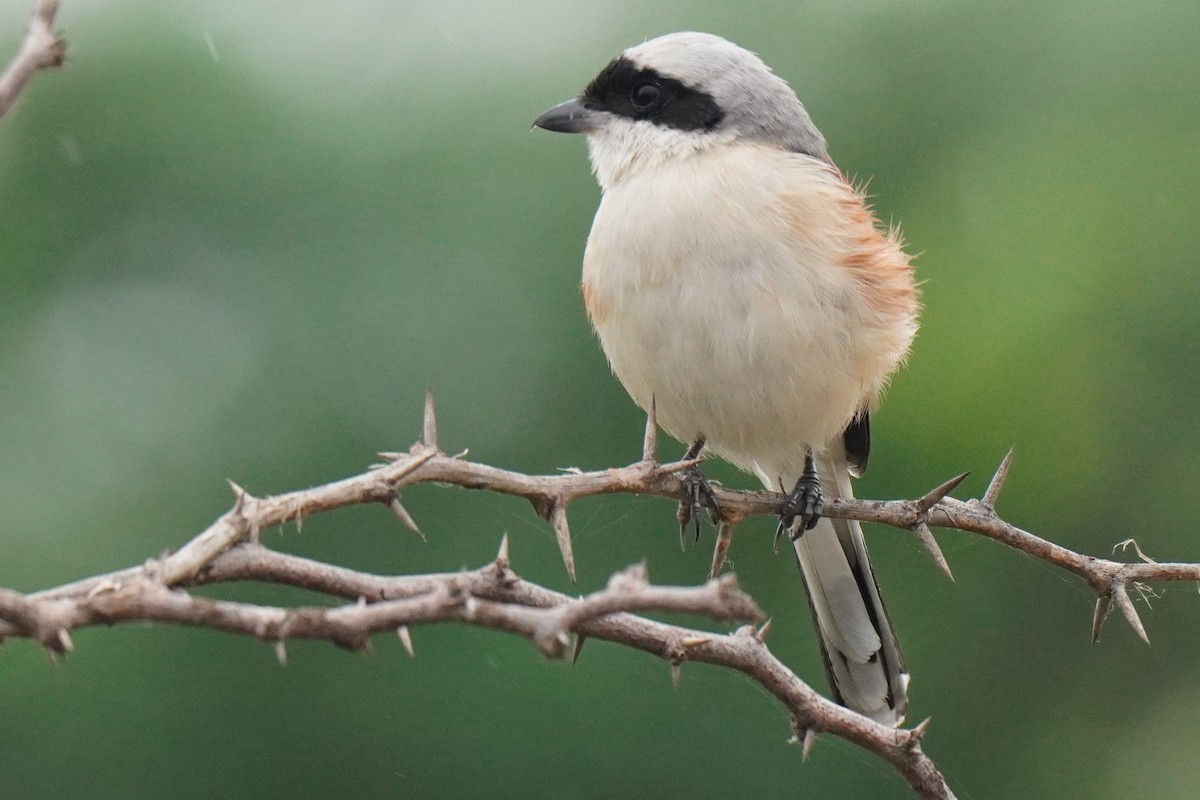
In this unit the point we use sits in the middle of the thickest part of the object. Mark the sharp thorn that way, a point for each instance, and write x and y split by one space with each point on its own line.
562 532
429 426
239 495
1131 616
402 514
406 640
695 641
281 652
810 737
997 483
937 495
921 728
761 633
1103 607
578 648
721 548
925 537
676 466
65 645
676 674
635 576
502 554
650 440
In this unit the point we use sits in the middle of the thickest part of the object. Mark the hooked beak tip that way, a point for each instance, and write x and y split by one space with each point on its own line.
569 117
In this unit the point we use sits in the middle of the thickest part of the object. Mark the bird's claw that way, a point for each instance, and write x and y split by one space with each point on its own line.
802 508
697 494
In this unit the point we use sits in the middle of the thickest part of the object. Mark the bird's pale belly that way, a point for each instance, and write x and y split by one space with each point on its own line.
762 372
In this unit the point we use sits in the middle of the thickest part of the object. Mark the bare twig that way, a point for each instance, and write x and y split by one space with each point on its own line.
423 464
491 597
40 49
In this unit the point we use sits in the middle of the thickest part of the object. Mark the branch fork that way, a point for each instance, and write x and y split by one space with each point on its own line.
40 50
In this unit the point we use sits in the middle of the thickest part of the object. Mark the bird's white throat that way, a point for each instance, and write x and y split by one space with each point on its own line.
622 147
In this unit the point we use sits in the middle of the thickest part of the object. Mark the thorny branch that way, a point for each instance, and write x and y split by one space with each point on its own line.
40 49
495 597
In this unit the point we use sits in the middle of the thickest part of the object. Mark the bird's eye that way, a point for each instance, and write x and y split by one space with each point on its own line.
644 95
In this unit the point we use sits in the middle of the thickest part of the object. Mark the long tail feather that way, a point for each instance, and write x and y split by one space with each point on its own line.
863 660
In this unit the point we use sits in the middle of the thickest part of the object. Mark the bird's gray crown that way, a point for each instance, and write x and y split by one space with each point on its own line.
700 82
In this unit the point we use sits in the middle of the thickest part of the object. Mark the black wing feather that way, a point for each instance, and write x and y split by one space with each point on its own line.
857 437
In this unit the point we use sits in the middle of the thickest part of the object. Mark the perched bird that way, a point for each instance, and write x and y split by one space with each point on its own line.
740 283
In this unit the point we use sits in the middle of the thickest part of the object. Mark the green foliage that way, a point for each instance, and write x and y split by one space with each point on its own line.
240 239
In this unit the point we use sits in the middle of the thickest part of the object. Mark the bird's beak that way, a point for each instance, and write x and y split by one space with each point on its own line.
570 117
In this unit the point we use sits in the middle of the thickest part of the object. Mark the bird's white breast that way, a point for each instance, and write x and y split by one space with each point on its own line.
717 286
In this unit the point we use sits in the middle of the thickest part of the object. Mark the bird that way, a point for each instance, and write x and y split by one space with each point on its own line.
744 288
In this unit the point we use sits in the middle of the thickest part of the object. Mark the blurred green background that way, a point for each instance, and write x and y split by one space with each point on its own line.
239 239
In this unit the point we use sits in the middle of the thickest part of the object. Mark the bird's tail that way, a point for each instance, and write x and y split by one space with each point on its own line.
863 660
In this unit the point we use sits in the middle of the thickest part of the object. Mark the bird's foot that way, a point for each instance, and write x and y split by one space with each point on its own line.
802 508
697 494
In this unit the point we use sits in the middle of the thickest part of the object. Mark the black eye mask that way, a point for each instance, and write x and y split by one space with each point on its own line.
643 94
